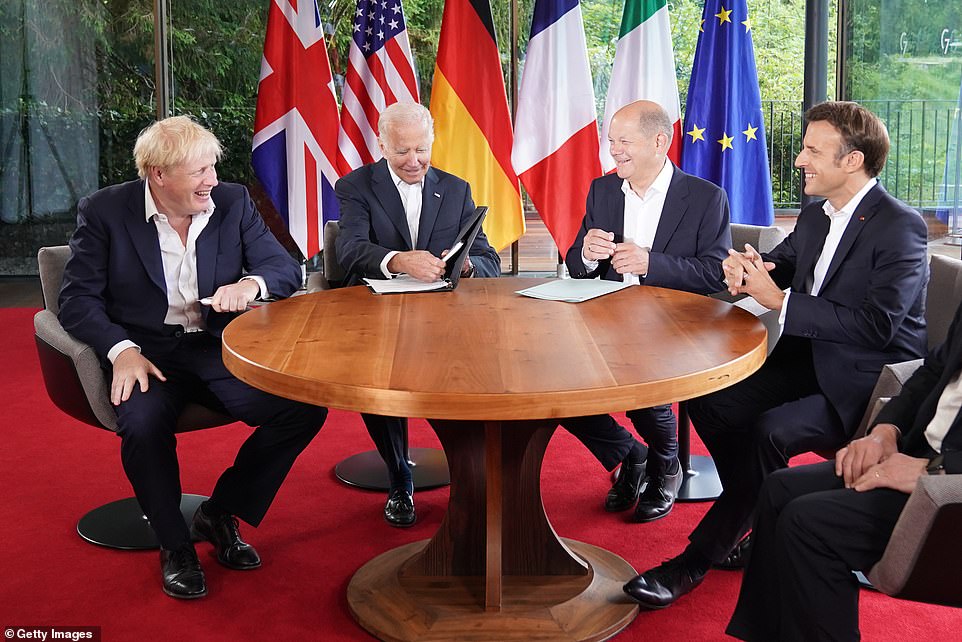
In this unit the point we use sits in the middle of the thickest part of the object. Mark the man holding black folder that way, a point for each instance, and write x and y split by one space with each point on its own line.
400 216
648 224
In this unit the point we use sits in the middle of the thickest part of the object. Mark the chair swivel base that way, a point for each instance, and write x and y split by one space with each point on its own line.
701 483
367 470
121 524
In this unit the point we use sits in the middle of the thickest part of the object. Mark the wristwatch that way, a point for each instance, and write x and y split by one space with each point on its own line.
936 465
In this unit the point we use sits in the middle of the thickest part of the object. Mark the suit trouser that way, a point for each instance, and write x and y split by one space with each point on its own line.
388 434
609 442
195 372
752 429
809 534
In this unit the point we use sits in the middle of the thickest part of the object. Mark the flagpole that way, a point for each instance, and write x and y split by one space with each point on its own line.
816 64
162 58
513 78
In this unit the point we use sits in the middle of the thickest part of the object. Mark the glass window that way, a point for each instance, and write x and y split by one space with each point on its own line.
75 88
904 61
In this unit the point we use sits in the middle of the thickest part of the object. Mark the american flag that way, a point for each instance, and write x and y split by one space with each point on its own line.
295 127
379 73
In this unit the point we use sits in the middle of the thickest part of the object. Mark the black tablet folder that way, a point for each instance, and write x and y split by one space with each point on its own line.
454 261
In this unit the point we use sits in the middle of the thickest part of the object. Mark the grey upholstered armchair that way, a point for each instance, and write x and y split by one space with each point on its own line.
78 385
921 560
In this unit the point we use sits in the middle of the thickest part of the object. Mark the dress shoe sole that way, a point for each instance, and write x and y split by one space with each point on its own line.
182 596
401 524
237 567
645 520
196 534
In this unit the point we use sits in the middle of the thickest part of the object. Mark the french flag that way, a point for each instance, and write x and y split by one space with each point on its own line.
555 149
296 123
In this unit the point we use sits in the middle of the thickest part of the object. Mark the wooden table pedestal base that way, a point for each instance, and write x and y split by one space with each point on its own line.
581 607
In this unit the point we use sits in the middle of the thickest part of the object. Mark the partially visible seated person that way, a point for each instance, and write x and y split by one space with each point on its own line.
856 266
816 524
400 215
649 224
143 256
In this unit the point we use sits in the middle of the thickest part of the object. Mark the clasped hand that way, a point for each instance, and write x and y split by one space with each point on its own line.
874 462
747 273
626 258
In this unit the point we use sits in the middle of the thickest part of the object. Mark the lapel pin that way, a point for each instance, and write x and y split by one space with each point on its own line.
861 218
436 195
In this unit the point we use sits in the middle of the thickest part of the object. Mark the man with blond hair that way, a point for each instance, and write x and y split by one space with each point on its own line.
399 215
145 254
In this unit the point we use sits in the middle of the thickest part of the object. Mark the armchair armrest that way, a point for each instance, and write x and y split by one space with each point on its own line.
76 378
889 384
921 560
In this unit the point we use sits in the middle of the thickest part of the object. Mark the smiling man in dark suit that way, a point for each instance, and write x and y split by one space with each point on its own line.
400 215
856 265
143 256
649 224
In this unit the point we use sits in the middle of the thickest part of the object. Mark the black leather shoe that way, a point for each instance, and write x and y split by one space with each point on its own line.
659 496
399 509
181 572
738 558
662 585
624 492
222 532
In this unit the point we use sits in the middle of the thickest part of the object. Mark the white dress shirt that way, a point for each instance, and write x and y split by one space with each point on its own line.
411 199
180 271
641 216
950 402
839 220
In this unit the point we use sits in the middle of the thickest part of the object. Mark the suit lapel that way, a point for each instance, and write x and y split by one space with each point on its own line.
386 192
672 212
143 236
810 252
862 214
615 210
208 246
431 197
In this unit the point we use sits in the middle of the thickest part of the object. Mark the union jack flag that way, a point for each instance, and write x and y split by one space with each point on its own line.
295 127
379 73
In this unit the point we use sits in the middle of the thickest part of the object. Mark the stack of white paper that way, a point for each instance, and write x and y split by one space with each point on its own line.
573 290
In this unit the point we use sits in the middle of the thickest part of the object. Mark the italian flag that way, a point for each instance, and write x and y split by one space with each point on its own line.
644 69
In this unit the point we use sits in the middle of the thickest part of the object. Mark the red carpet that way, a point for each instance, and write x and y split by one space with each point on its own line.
53 469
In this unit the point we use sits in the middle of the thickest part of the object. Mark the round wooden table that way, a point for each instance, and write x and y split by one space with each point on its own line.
494 371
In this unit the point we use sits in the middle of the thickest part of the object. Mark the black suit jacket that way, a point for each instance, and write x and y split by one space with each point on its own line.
914 407
869 310
373 221
691 241
114 287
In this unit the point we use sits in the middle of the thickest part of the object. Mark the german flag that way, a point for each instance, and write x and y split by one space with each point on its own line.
472 124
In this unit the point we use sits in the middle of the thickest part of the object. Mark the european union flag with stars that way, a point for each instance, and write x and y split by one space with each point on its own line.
724 137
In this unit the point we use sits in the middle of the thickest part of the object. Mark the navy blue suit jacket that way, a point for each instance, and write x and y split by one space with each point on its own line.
114 287
691 241
869 310
373 221
914 407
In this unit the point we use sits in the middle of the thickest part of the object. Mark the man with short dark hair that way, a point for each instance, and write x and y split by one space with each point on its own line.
144 255
400 215
856 267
